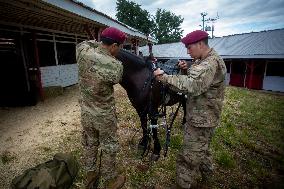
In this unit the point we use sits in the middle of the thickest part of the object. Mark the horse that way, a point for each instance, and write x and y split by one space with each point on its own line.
145 95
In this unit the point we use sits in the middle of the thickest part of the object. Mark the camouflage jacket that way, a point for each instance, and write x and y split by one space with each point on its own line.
98 72
204 85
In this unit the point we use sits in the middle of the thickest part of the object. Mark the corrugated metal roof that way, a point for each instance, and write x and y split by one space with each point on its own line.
85 11
265 44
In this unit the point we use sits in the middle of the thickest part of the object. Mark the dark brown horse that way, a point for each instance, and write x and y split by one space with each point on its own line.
145 94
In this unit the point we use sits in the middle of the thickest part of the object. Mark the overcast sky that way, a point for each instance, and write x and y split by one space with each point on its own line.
235 16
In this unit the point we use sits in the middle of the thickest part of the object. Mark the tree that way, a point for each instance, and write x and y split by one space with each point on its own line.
167 26
133 15
164 26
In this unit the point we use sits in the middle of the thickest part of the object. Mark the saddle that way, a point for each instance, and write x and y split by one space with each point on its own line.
170 67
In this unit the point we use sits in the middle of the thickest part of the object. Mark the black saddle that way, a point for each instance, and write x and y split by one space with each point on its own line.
169 67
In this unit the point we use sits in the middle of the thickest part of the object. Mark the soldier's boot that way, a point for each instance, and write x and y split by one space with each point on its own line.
116 183
206 172
92 180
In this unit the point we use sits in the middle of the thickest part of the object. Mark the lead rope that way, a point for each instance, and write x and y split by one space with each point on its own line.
168 132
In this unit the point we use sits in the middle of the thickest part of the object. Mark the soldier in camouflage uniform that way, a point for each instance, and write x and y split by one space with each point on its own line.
98 72
204 84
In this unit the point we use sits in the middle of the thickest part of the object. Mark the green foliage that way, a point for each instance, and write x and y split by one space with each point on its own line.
176 142
133 15
167 26
225 159
164 26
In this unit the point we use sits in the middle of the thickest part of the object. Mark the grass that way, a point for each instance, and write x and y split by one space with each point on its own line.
248 147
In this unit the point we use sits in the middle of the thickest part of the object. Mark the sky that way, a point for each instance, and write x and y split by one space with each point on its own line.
234 16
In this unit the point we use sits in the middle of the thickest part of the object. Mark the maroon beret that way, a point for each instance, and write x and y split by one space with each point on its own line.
194 37
114 34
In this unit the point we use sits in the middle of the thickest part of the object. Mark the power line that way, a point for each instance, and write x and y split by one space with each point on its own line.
211 20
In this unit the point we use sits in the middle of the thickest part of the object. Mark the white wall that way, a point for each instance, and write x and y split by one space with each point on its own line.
68 74
273 83
61 75
50 76
227 79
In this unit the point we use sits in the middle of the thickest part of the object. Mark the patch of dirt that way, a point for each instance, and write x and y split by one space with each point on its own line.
28 134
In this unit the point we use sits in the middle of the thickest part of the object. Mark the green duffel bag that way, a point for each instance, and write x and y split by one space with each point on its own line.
58 173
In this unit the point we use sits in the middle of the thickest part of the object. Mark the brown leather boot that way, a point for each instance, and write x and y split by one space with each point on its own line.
92 180
116 183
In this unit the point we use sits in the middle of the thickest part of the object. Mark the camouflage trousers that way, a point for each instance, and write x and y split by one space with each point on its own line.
194 162
100 144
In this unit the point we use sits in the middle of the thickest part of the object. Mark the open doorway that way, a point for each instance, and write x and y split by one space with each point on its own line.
13 74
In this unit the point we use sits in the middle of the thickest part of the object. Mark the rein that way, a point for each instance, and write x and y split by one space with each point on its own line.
161 113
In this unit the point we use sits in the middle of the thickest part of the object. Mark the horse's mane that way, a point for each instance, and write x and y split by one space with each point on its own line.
127 57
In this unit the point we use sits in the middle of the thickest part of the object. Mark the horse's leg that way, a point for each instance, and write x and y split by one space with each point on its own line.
142 146
154 124
157 146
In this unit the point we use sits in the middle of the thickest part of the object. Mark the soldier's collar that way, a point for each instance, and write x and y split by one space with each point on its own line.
104 50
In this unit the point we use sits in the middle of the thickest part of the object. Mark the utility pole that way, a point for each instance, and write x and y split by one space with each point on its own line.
212 20
203 14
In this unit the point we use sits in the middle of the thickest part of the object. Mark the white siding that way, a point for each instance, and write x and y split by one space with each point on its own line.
62 75
227 79
50 76
68 75
273 83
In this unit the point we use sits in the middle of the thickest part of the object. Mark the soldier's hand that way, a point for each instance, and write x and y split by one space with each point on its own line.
158 73
182 64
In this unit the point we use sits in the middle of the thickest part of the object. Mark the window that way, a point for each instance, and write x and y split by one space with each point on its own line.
46 53
66 53
238 67
275 68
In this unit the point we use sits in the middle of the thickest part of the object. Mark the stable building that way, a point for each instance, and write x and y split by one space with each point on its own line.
254 60
37 45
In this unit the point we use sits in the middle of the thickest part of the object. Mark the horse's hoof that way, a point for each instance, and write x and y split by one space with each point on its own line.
155 157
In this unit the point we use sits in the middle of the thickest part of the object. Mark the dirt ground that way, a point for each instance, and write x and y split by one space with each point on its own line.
27 133
32 135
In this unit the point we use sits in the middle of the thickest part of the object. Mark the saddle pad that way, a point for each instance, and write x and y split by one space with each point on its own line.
170 67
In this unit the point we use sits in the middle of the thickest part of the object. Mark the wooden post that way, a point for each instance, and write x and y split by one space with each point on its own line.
24 60
245 77
134 45
99 34
37 64
150 45
89 32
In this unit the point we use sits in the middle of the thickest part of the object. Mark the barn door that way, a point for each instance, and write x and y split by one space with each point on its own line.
255 74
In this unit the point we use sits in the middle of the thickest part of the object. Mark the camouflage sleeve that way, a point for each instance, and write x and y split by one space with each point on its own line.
111 71
197 81
107 68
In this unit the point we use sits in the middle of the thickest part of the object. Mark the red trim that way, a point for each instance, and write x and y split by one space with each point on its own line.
237 80
255 79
